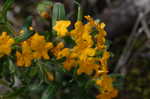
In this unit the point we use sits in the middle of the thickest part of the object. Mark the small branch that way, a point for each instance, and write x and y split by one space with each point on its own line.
129 45
146 28
131 41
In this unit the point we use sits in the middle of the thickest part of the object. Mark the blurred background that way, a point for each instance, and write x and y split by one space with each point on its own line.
128 30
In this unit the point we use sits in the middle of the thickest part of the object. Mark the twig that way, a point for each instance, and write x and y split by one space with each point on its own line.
131 41
129 46
146 29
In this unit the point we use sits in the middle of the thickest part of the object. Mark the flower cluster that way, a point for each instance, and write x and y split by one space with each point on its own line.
5 44
34 48
84 54
107 90
89 55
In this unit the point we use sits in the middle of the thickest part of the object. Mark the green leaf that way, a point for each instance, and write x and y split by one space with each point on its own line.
99 54
80 16
70 43
118 82
58 13
11 66
61 60
3 17
6 6
49 93
28 33
108 43
6 27
44 6
35 88
3 82
79 13
15 93
89 84
33 71
27 23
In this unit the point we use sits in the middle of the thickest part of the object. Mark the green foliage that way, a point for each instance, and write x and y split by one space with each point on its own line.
58 13
27 33
4 24
32 82
44 6
79 12
7 5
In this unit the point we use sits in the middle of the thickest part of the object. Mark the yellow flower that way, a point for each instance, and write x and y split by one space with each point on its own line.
83 51
69 64
50 76
103 61
101 36
86 53
61 27
63 53
108 95
106 88
105 82
21 32
87 38
55 50
101 26
77 32
45 15
5 44
81 45
31 28
81 35
25 58
40 46
91 21
87 66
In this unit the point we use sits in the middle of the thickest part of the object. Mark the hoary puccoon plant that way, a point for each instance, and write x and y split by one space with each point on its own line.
67 62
